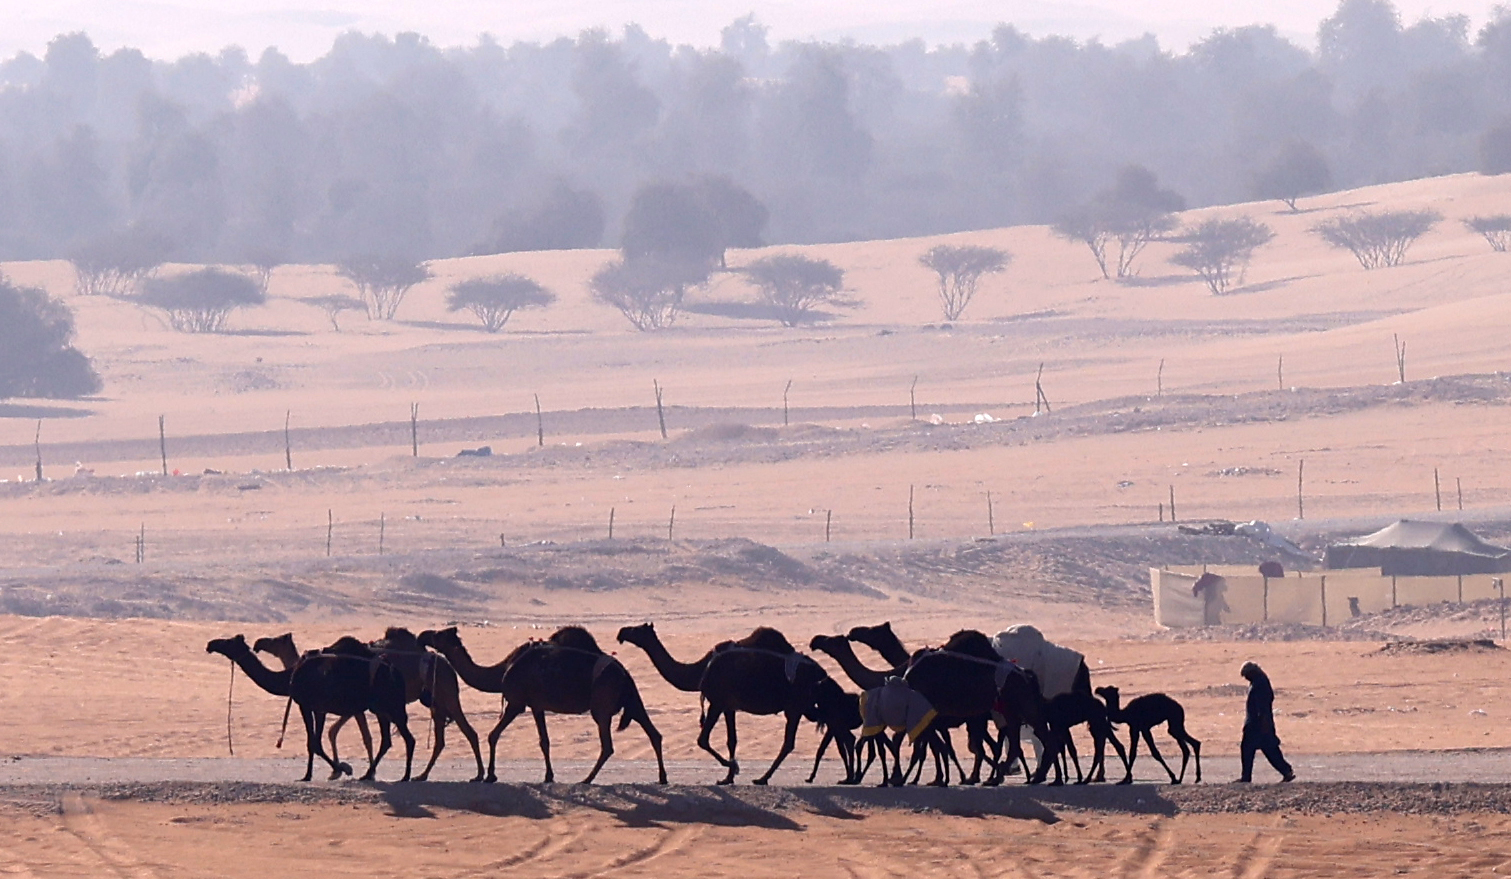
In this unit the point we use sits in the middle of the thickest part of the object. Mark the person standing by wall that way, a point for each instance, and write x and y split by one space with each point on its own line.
1259 726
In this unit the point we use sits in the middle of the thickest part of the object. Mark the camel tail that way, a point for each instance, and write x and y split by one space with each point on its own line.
633 706
285 728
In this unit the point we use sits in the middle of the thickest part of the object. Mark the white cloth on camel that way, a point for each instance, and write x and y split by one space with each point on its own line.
895 706
1055 666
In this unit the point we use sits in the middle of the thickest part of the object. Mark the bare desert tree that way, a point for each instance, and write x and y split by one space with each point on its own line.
494 299
794 286
333 304
1218 247
117 264
648 290
1378 239
1085 226
960 267
1496 228
200 301
383 281
1297 170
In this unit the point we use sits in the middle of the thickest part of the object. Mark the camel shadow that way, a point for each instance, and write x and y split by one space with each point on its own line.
773 808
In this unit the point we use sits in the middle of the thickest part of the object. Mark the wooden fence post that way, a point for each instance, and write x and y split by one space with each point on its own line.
784 402
828 520
1159 379
414 429
38 441
1300 493
288 447
910 512
671 523
913 399
162 442
611 523
991 521
1172 504
1437 489
660 413
330 528
540 425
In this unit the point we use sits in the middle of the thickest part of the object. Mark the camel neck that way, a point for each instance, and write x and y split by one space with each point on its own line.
892 651
473 675
865 678
275 682
687 677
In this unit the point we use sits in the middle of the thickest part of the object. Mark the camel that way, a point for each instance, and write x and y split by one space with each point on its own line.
757 681
1142 715
868 679
566 674
428 679
282 648
839 718
1072 709
342 685
967 680
897 707
688 676
276 683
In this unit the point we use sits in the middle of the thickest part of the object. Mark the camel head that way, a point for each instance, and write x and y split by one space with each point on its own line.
276 646
867 634
575 637
825 643
833 708
1109 695
228 647
640 635
442 640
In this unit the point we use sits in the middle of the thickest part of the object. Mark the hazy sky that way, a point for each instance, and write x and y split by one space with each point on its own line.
304 30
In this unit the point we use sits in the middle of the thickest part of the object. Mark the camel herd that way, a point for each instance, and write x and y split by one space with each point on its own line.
992 687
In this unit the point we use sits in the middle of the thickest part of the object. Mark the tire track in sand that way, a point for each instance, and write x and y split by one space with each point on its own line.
83 824
1258 854
669 843
1147 860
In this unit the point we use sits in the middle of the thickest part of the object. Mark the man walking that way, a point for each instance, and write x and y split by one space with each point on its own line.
1259 726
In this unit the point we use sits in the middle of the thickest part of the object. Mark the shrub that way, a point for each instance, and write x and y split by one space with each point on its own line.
495 299
648 290
116 264
1297 170
1216 247
383 281
1378 239
1496 229
37 357
333 304
960 268
200 301
793 286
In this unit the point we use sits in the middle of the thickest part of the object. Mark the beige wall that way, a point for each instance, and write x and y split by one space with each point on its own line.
1312 598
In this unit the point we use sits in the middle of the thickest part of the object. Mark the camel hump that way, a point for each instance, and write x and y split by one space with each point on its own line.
398 638
768 639
972 643
575 637
347 645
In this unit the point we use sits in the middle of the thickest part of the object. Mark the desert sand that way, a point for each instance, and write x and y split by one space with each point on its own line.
1157 387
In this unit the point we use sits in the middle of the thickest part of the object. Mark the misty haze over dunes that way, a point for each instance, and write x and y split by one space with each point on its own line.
171 28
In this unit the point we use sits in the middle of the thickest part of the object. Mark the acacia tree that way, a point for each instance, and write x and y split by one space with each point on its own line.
1135 211
960 267
333 304
1496 228
1377 239
648 290
383 281
37 357
116 264
1084 225
200 301
1297 170
494 299
1216 247
793 286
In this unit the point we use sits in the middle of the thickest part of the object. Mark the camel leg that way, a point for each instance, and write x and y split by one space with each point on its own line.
511 711
789 741
470 735
710 720
438 721
605 743
545 741
823 746
311 742
1117 747
402 722
385 741
1196 749
643 718
1149 740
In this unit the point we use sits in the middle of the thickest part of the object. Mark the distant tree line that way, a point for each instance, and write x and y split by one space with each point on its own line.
393 146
